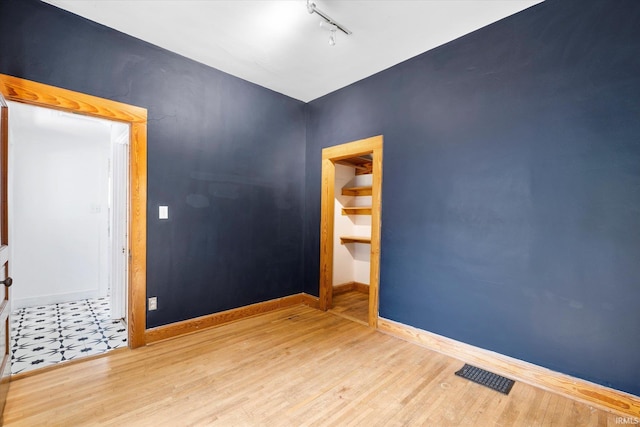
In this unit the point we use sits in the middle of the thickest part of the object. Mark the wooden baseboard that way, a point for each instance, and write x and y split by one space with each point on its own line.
361 287
351 286
574 388
193 325
311 301
343 288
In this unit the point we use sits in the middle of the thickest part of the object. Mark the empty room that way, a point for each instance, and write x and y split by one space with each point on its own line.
320 212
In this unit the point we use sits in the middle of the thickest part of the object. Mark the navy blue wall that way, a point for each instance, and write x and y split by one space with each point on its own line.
225 155
511 187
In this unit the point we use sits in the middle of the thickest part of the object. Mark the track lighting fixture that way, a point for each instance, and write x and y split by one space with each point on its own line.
332 38
332 28
328 23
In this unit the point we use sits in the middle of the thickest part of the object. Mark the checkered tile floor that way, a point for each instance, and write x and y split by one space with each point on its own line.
46 335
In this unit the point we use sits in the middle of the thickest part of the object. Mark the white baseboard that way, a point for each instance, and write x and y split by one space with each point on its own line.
18 303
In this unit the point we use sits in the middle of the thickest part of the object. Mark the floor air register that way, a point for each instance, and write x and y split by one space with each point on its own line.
486 378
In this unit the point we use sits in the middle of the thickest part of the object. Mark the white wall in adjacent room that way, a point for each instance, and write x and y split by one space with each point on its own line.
362 227
59 205
351 262
342 226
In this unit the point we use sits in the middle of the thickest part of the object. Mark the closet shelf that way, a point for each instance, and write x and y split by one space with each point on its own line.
362 164
356 210
356 191
354 239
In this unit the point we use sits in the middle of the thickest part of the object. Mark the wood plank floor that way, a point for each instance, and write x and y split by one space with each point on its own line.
293 367
353 305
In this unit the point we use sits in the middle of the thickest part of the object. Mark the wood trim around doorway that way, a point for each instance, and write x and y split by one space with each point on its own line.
29 92
330 156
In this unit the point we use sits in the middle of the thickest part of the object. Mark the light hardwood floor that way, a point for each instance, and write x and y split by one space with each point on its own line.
292 367
353 305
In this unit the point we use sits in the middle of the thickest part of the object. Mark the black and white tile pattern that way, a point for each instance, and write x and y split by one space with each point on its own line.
49 334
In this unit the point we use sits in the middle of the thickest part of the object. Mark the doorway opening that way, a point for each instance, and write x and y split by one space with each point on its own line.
37 94
68 222
350 229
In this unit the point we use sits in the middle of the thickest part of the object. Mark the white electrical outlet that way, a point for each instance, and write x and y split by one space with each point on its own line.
153 303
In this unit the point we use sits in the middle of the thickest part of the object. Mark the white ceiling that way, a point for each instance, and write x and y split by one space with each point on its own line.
279 45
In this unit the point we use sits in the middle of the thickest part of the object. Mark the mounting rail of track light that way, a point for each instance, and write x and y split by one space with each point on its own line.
333 26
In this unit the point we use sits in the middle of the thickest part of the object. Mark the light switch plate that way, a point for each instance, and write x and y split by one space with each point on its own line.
163 212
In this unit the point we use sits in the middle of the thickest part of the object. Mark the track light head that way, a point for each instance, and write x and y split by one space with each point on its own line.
332 28
311 7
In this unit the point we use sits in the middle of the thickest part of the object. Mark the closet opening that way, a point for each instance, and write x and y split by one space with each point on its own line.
350 229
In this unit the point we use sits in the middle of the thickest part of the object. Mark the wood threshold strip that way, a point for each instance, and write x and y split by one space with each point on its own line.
184 327
538 376
66 363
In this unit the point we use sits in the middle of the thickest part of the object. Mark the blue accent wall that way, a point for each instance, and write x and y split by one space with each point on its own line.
511 187
225 155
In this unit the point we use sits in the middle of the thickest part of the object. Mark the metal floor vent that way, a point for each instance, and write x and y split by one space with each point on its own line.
486 378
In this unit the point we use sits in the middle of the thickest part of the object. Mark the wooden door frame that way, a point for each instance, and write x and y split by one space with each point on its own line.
331 155
38 94
5 304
